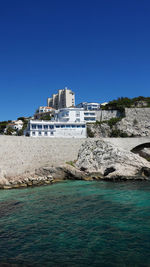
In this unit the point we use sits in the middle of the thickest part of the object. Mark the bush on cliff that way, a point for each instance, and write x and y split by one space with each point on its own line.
124 102
90 133
118 133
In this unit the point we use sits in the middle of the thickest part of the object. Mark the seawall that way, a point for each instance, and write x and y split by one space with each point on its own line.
21 154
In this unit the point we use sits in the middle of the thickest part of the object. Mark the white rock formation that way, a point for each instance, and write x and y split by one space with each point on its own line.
101 156
136 122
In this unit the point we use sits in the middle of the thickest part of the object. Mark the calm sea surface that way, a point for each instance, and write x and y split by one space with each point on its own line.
76 223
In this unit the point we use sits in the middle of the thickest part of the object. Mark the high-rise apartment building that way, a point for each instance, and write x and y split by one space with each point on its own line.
65 98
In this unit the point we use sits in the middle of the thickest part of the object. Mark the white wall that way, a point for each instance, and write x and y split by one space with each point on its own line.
75 115
55 129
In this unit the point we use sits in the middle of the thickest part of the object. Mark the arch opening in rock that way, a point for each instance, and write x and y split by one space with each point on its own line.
143 150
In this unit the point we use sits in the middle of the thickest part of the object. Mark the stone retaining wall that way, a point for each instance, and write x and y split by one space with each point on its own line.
21 154
105 115
136 122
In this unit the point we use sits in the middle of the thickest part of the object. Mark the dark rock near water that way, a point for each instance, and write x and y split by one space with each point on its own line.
109 170
146 171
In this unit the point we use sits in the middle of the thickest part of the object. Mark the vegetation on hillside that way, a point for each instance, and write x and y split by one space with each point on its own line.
45 117
90 133
111 122
3 125
25 122
5 128
124 102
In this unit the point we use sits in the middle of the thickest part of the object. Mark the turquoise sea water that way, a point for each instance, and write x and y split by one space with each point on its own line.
76 223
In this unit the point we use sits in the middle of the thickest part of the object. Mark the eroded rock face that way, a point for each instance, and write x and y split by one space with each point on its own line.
110 161
136 122
145 153
100 130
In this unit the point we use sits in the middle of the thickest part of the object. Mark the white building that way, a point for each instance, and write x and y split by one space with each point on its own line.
63 99
16 125
67 122
44 109
75 115
89 106
56 129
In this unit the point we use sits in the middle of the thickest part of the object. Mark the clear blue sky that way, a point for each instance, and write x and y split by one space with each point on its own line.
98 48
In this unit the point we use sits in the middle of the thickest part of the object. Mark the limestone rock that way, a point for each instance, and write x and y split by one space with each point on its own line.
136 122
2 173
145 153
62 172
103 157
100 130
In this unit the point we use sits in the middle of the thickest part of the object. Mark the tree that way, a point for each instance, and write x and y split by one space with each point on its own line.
9 131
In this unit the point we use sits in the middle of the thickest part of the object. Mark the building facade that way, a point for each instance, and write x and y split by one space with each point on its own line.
66 123
15 125
56 129
63 99
75 115
89 106
44 111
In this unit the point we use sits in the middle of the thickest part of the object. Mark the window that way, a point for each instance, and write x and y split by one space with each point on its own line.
45 126
45 133
65 114
83 126
57 126
40 133
73 126
51 126
33 126
39 126
67 126
62 126
52 133
77 113
78 126
33 133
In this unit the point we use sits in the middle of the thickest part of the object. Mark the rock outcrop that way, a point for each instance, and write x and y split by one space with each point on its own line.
97 159
99 130
110 161
136 122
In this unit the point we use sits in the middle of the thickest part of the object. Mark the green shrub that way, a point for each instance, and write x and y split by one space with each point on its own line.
9 131
113 121
71 163
90 133
124 102
118 133
45 117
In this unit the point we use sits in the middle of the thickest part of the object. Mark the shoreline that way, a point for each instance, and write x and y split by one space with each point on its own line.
26 162
51 175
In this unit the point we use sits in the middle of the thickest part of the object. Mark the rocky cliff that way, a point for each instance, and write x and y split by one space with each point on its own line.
135 123
110 161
